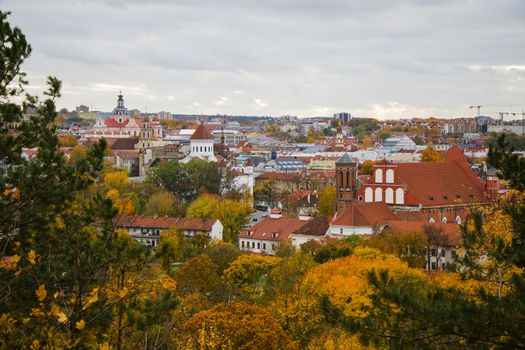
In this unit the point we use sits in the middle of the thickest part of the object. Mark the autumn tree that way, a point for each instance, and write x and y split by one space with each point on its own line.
367 167
232 326
430 154
162 203
326 204
408 246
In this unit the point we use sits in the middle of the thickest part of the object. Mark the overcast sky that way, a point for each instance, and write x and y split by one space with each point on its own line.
372 58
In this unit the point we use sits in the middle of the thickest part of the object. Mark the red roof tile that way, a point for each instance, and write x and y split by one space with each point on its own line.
273 229
365 214
165 222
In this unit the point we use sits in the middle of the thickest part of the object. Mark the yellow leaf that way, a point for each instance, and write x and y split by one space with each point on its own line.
55 295
16 193
17 244
62 317
35 344
55 310
9 262
80 325
31 256
93 298
123 292
105 346
41 292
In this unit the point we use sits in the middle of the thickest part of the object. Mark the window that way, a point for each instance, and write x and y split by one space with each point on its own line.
433 265
341 231
369 195
258 245
273 246
379 176
389 176
400 196
389 195
443 252
253 244
433 252
264 246
453 254
242 244
458 220
378 195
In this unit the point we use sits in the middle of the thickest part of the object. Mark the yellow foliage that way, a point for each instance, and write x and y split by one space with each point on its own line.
9 262
93 298
35 345
41 292
80 325
345 281
123 204
31 257
116 179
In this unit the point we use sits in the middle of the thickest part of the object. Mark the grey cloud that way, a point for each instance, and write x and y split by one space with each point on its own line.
293 56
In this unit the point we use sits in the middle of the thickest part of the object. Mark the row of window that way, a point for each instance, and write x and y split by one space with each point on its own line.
377 195
253 245
389 176
202 148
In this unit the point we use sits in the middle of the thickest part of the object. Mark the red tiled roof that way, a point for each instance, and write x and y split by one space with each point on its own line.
315 227
365 214
265 229
112 123
165 222
451 231
435 184
124 143
201 133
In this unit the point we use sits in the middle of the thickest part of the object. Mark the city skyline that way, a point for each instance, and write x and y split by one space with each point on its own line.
383 60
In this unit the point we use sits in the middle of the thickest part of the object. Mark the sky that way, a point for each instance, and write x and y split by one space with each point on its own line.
371 58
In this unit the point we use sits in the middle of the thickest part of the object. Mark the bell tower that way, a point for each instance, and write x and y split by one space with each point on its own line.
346 181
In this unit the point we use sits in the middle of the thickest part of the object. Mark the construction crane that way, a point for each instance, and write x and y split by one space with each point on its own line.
522 121
478 108
501 114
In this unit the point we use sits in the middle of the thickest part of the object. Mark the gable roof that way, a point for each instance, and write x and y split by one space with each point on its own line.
436 184
265 229
201 133
165 222
365 214
124 143
315 227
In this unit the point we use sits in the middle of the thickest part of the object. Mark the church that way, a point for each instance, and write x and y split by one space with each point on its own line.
122 125
431 192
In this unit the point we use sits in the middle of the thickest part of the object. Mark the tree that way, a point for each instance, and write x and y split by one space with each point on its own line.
408 246
285 249
367 168
68 141
203 206
327 201
235 325
430 154
233 216
222 254
162 203
266 192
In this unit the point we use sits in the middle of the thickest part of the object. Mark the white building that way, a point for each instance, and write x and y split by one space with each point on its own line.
201 145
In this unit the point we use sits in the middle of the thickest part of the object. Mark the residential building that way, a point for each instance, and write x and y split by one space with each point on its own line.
147 229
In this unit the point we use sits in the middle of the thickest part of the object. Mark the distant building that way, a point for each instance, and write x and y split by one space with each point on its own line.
164 115
201 145
343 117
399 143
81 109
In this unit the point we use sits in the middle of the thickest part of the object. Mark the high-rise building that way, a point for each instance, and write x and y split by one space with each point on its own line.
82 109
343 117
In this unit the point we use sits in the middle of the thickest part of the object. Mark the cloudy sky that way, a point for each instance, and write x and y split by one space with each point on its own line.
376 58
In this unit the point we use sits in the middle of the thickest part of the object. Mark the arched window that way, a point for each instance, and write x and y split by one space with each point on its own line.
378 195
400 196
444 220
389 176
431 221
458 220
389 195
369 195
379 176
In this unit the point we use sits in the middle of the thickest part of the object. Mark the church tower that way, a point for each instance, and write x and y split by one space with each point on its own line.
346 181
